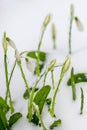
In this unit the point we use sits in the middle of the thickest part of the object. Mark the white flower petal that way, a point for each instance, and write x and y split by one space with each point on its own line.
79 24
12 44
29 65
17 55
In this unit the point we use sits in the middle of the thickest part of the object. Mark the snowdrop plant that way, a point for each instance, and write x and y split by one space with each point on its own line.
78 24
64 69
8 93
44 26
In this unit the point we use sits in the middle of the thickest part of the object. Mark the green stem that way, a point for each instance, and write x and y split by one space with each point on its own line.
38 59
54 97
8 94
39 116
70 33
12 72
31 98
6 76
54 44
23 76
52 75
45 75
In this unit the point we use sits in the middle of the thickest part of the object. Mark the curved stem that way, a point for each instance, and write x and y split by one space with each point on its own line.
24 77
31 98
55 94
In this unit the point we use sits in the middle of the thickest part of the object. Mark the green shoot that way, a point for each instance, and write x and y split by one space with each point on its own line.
12 71
52 76
78 78
44 26
73 85
18 59
64 69
8 94
31 99
82 101
70 28
54 35
78 24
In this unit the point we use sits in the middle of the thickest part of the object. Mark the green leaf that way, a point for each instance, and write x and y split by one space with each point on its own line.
14 118
35 119
3 121
26 94
40 68
56 124
78 78
82 101
73 84
41 95
33 54
3 105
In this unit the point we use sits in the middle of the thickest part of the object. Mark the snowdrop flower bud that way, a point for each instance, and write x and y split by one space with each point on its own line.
66 65
79 24
29 65
11 43
47 20
52 64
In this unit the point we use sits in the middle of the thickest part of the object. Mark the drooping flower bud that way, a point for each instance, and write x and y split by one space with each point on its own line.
29 65
79 24
11 43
